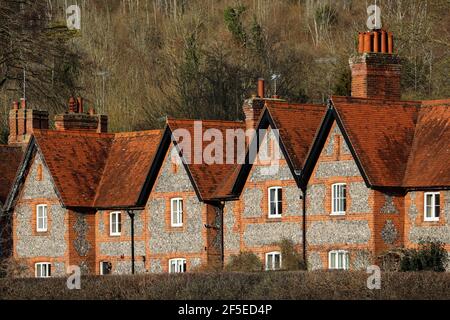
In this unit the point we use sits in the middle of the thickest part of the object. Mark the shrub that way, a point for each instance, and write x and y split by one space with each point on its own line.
286 285
431 256
13 268
212 266
244 262
391 260
292 260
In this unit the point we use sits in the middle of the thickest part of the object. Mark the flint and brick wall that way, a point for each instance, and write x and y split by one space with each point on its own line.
353 231
417 229
30 246
247 226
82 240
165 242
374 223
117 249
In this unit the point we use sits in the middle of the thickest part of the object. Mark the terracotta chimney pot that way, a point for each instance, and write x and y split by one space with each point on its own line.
261 89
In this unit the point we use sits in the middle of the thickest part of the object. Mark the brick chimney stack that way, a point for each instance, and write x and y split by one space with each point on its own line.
254 106
23 121
76 120
376 70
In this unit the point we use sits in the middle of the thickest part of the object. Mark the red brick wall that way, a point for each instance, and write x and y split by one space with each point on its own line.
376 75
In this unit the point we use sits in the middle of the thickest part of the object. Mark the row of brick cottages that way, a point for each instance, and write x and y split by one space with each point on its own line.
357 177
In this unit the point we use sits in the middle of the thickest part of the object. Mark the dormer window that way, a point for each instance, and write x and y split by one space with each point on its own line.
432 206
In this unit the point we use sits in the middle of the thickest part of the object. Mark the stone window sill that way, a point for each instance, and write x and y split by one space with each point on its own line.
115 235
337 216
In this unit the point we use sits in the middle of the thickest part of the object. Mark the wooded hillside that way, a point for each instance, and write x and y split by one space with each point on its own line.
140 60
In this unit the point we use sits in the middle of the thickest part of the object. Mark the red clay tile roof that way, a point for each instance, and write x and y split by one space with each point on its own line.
429 161
297 125
92 169
10 160
398 143
76 162
209 179
126 170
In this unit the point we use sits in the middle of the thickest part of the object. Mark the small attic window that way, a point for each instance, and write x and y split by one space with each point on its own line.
39 174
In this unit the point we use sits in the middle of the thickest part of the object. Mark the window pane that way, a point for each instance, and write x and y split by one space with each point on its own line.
39 217
38 270
269 262
333 199
333 260
113 223
272 195
340 260
40 224
119 223
429 205
280 201
344 198
277 260
280 208
347 261
272 208
49 270
428 211
172 211
437 205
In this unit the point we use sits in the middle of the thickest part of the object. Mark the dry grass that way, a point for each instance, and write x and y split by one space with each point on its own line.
261 285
